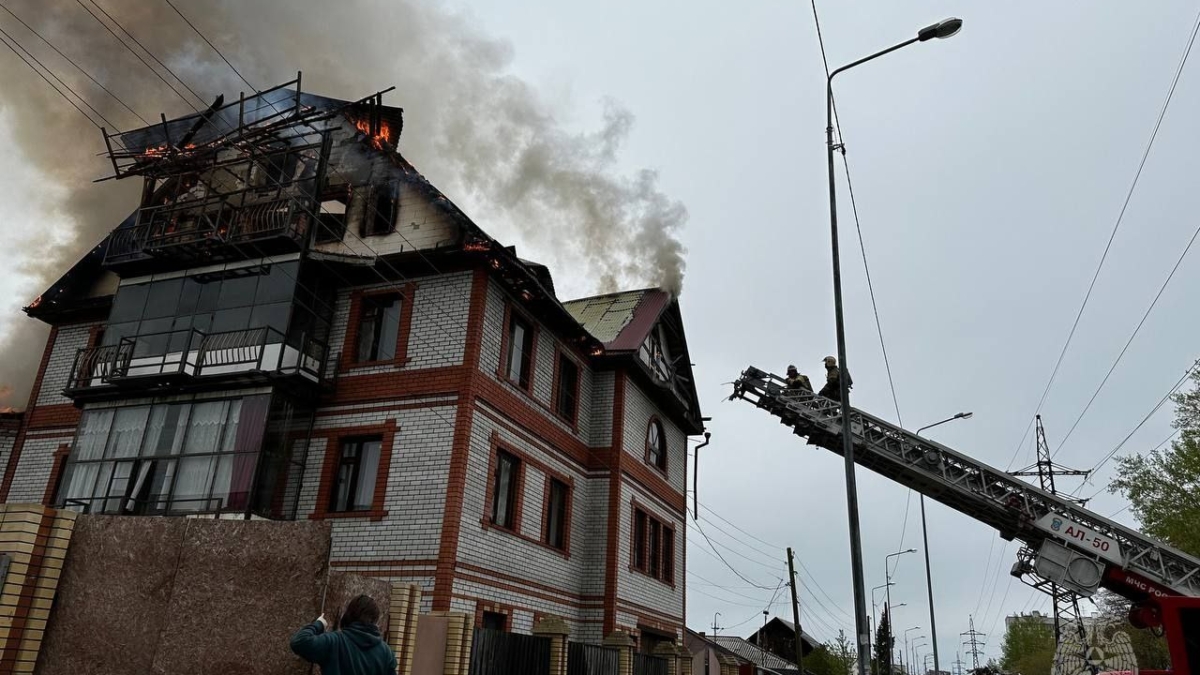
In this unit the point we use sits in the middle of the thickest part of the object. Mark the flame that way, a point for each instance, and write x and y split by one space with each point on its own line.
155 152
384 137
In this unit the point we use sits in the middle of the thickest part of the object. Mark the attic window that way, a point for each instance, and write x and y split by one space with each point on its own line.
654 355
382 205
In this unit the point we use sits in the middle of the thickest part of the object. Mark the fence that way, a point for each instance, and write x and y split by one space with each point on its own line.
498 653
644 664
592 660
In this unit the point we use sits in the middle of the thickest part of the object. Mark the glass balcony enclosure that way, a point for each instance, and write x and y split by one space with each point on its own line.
238 321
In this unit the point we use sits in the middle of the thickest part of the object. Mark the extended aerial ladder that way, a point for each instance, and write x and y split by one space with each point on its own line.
1066 544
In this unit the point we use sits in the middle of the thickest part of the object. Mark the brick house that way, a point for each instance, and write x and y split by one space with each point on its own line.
294 323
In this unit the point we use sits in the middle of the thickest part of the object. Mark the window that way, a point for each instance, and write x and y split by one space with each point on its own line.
520 351
566 401
504 491
556 514
379 328
494 621
357 467
167 458
380 216
656 445
653 547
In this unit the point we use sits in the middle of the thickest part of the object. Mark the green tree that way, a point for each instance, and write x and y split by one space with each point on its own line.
885 642
844 654
1028 647
835 657
1163 486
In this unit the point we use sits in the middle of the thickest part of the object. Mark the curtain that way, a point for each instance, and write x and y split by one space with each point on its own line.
89 445
128 427
246 441
204 431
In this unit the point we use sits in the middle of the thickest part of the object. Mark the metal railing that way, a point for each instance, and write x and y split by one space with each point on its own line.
196 354
208 222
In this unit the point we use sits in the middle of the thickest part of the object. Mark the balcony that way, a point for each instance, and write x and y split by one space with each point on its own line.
190 360
207 231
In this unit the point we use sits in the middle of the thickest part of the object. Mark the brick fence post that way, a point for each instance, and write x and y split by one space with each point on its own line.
556 629
405 604
623 643
729 665
666 652
684 659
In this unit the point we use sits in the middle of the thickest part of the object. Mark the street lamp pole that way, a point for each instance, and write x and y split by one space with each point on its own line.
943 29
906 631
887 577
925 536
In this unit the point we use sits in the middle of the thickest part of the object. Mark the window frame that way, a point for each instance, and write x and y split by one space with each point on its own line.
656 423
407 294
375 308
560 357
516 486
341 462
646 549
503 368
329 465
372 216
564 545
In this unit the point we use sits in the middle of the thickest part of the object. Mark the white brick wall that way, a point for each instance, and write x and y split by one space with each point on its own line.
441 305
62 357
7 440
491 360
416 485
638 410
635 586
34 465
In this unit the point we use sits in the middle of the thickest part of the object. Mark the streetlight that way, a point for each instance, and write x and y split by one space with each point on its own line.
942 29
887 571
915 646
906 642
925 537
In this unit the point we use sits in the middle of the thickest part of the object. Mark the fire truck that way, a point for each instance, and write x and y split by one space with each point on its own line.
1065 544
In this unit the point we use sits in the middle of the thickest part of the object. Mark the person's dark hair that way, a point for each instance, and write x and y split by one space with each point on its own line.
360 610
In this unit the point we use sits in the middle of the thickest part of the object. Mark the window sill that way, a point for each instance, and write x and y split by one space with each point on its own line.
571 422
565 554
660 470
545 407
372 514
363 365
644 573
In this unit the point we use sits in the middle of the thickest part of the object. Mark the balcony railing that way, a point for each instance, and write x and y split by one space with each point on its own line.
210 229
194 356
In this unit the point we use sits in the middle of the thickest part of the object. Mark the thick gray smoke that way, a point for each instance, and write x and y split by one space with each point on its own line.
478 132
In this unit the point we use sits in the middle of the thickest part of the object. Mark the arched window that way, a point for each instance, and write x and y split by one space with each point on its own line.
656 444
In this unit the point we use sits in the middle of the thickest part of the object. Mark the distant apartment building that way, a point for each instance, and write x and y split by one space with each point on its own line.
1089 621
294 323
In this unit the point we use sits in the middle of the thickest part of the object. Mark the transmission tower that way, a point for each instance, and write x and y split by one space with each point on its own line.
973 642
958 664
1066 603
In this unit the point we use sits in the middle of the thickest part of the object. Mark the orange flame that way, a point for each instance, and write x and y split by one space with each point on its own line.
384 137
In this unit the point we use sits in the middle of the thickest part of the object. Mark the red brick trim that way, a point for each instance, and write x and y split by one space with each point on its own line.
559 355
465 566
495 414
408 294
515 589
357 410
59 416
333 450
496 447
11 469
482 606
452 515
384 563
611 562
505 346
388 387
60 460
662 435
94 334
635 608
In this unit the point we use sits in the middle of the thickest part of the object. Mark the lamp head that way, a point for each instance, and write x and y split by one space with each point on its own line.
964 415
911 550
940 30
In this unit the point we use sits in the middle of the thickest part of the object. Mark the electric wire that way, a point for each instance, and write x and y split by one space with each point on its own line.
210 44
1120 216
86 74
1128 342
164 66
48 82
58 79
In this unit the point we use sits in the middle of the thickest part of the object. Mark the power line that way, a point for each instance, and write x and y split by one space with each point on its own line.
86 74
57 78
52 86
1121 215
1131 337
210 44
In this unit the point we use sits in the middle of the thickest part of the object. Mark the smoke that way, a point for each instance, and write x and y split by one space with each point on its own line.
479 133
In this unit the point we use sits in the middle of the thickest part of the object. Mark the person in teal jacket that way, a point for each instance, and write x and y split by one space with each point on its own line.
356 649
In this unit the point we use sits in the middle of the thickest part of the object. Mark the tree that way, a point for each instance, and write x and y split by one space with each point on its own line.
844 654
1150 650
1028 647
835 657
1162 485
885 642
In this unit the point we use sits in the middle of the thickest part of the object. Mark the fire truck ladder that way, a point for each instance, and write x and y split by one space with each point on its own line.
1067 536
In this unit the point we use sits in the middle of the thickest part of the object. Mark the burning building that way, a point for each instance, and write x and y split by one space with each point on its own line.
294 323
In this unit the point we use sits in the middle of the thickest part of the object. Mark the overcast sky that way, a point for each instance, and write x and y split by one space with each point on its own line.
989 170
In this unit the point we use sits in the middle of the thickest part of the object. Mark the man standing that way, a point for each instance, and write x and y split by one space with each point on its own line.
831 389
795 380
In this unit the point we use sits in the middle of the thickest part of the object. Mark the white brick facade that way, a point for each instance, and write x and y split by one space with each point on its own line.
69 341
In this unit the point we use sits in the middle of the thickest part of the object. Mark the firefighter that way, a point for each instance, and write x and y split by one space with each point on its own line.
795 380
831 389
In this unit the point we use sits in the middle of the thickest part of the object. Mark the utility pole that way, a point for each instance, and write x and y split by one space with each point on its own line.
715 627
973 642
796 613
1066 603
